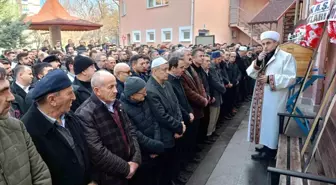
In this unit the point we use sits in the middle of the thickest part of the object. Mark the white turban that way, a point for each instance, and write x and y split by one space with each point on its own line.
270 35
242 48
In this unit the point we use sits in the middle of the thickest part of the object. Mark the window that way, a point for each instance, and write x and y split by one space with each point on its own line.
185 34
136 36
123 8
156 3
167 35
150 35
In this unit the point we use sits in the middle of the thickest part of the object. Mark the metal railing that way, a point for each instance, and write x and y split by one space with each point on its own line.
241 18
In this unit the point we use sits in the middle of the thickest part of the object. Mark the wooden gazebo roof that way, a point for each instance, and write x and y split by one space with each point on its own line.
52 13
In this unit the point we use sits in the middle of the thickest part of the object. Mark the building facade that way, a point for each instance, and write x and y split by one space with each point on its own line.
154 22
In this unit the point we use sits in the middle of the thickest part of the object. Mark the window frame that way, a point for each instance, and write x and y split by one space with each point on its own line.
133 36
163 36
148 37
154 4
181 34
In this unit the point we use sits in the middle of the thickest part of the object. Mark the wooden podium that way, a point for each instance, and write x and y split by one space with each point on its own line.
301 54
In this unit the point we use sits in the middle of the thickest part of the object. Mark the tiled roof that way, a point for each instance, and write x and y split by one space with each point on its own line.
272 11
52 13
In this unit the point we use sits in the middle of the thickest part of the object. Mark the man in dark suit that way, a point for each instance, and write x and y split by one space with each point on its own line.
56 132
186 145
20 88
113 147
166 109
241 62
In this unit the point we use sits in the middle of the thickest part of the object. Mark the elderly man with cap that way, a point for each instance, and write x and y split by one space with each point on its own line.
84 69
274 71
113 147
53 60
217 90
148 131
57 132
165 107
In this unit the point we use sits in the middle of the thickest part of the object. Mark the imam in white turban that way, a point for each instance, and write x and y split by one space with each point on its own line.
242 48
270 35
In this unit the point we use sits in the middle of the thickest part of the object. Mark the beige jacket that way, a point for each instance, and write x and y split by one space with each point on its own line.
20 163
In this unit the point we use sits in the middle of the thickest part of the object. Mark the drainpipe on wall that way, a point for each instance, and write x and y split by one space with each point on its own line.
192 20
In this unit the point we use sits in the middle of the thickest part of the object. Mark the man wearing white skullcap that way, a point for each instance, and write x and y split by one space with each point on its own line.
242 62
166 109
274 71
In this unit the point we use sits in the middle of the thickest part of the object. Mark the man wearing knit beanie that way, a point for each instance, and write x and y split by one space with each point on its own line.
84 69
133 85
148 130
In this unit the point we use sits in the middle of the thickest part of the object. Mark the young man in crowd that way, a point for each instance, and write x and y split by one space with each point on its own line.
40 70
138 65
185 145
23 59
8 67
69 64
20 88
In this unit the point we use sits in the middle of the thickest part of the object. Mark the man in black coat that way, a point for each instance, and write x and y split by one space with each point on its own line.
147 130
217 90
56 132
84 69
166 109
186 145
242 65
20 88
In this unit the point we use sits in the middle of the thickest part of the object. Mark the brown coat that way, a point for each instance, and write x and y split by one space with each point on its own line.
194 91
108 152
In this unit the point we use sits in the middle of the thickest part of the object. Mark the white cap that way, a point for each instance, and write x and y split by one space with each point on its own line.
270 35
242 48
158 61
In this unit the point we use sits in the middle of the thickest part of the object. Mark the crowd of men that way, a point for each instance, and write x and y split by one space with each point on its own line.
102 114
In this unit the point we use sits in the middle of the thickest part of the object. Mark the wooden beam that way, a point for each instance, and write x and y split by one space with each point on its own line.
297 6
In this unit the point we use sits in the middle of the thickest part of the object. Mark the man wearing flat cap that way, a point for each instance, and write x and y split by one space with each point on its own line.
274 71
53 60
217 90
56 131
166 109
84 69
